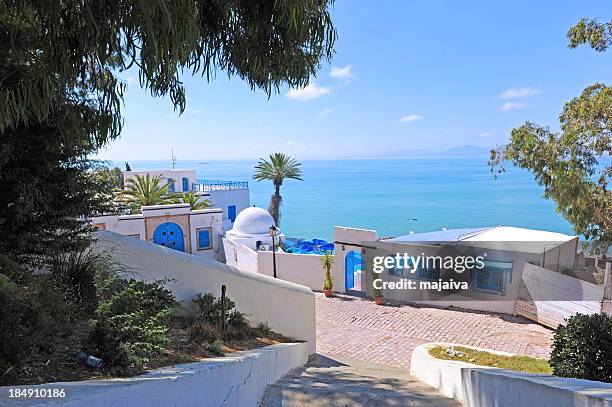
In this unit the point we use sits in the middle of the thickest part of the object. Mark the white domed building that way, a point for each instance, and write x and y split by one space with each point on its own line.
252 229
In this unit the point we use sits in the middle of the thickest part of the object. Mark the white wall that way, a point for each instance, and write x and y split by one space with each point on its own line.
549 297
303 269
343 237
236 380
481 386
287 307
239 256
207 218
222 198
176 175
129 225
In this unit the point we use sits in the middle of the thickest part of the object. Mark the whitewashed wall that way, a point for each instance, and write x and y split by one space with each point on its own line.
129 225
303 269
235 380
222 198
207 218
549 297
240 256
287 307
343 237
176 175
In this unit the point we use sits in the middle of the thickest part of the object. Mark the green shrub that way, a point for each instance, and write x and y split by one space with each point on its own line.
30 318
202 331
216 348
131 320
210 312
582 348
75 271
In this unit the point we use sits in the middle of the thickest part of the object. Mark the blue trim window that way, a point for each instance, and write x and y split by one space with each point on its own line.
185 184
404 268
401 268
430 272
231 213
492 277
171 186
204 238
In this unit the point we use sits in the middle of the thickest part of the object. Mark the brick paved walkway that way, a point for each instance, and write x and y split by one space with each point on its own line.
359 329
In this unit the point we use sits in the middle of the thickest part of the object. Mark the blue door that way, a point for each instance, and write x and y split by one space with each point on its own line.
169 235
352 263
185 184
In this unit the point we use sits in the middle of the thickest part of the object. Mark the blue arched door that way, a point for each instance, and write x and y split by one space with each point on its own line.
352 263
169 235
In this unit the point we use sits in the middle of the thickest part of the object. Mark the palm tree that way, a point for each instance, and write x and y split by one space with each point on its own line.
192 199
278 168
144 191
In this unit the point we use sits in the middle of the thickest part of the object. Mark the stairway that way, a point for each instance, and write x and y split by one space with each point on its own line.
333 381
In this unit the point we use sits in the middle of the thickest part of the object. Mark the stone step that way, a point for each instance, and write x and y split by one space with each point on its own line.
333 381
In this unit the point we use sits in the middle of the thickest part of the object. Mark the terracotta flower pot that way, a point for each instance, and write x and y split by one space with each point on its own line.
378 300
328 293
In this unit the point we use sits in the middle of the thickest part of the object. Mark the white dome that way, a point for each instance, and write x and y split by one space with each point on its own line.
252 221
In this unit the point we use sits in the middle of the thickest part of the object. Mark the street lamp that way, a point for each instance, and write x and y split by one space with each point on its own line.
273 233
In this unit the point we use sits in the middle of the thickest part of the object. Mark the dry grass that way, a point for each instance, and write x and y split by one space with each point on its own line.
519 363
59 365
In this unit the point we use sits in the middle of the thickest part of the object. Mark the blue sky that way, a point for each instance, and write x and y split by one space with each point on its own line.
407 75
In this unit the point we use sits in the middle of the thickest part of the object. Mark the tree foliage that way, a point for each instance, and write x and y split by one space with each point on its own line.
573 165
146 190
52 50
194 200
278 168
592 32
61 93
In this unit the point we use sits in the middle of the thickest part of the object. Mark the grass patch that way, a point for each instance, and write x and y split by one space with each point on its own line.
519 363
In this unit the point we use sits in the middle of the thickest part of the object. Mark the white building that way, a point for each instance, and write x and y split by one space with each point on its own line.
175 226
230 196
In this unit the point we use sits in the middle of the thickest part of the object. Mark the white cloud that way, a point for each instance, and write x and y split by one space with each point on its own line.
485 134
265 128
326 111
508 106
342 73
410 118
516 93
312 91
289 143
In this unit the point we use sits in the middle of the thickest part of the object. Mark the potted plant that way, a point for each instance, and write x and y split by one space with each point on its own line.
377 293
327 261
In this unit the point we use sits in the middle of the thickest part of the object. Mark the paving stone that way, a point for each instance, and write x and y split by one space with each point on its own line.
359 329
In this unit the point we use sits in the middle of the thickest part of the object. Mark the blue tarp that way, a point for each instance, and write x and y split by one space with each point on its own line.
314 246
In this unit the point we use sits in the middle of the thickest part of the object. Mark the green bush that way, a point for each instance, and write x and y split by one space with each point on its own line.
582 348
75 272
210 312
30 318
130 325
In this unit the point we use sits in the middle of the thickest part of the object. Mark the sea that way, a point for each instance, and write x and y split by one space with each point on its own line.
392 196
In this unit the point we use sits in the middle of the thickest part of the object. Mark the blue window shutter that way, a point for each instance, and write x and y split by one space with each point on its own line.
231 213
204 239
171 186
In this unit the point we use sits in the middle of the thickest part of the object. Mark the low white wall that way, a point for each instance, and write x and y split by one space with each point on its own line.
303 269
481 386
236 380
240 256
288 308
